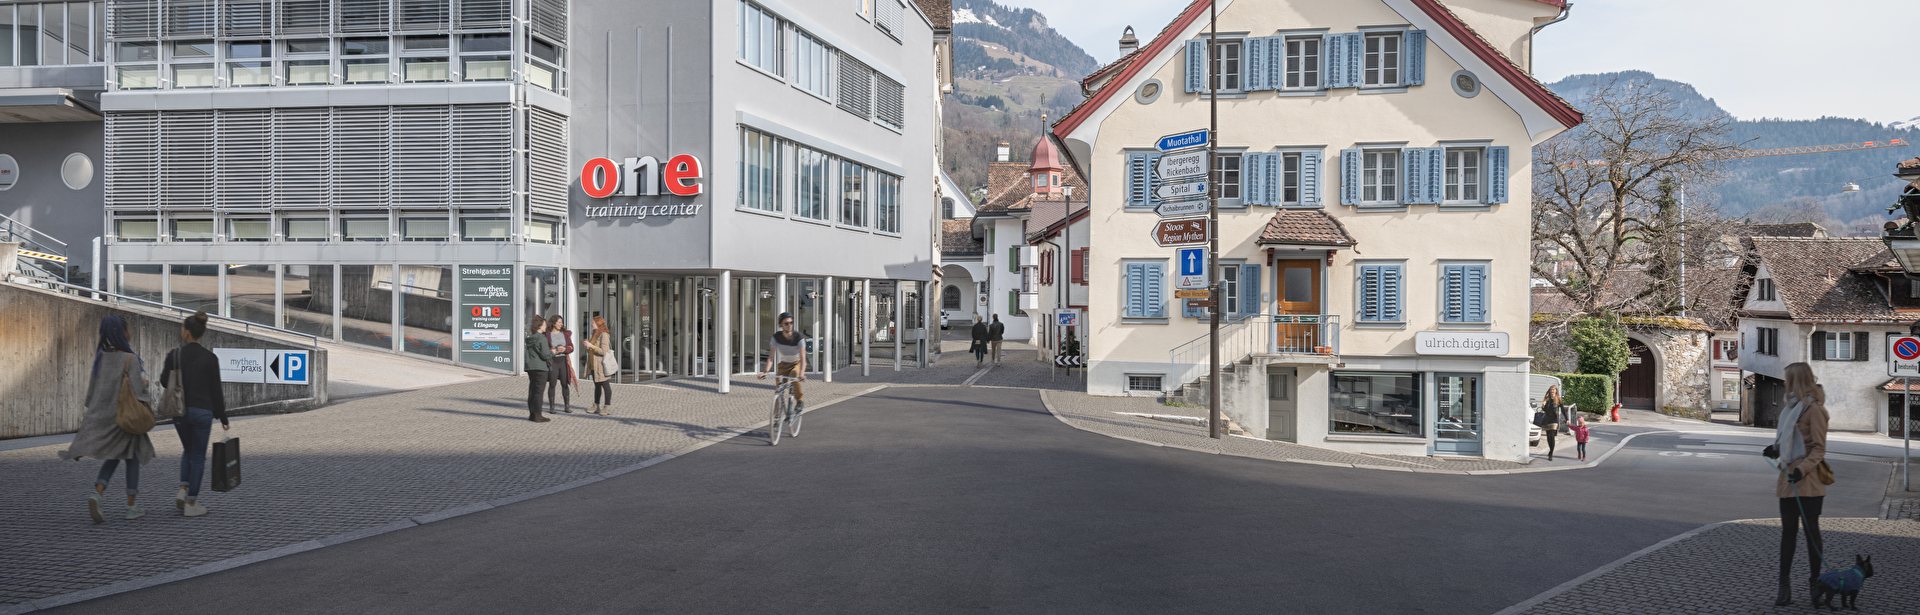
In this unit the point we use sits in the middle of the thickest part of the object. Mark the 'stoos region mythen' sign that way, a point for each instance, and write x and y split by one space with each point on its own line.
486 316
643 176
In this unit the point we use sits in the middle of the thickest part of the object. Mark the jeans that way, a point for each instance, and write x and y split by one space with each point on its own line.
600 388
195 429
980 352
133 474
1583 449
536 380
557 383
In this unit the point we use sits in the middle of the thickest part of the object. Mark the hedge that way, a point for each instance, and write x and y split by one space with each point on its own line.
1592 392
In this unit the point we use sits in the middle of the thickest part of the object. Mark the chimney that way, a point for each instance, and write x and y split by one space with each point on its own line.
1127 42
1005 152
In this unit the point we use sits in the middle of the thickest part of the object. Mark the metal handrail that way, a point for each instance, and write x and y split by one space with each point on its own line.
246 326
12 222
1239 339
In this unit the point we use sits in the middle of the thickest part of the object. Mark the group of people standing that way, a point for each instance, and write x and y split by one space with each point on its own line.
550 349
118 372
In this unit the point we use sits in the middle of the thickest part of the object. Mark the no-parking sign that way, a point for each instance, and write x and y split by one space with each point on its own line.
1903 356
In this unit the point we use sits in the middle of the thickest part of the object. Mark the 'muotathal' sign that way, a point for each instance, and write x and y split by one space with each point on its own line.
644 176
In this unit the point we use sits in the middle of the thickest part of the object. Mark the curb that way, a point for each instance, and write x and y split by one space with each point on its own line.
328 541
1610 567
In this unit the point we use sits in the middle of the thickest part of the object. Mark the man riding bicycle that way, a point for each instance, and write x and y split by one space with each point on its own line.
788 348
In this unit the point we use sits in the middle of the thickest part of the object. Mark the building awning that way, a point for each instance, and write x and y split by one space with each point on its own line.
1895 385
45 105
1306 228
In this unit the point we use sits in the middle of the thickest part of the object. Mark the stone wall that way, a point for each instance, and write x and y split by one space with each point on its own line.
1683 355
47 344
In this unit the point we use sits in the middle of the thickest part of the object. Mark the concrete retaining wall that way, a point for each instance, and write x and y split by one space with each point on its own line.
47 341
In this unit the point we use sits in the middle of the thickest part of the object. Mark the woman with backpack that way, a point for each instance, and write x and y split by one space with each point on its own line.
117 374
599 353
199 372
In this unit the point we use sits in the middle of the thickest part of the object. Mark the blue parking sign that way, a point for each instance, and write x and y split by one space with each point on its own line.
289 367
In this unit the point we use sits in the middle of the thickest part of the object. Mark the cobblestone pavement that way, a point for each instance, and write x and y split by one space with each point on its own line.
1019 367
358 466
1732 568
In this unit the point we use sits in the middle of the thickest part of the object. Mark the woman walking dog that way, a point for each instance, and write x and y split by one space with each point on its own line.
1800 443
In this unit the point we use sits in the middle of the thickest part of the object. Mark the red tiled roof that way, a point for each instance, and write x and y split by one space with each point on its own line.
1896 384
1305 227
1535 91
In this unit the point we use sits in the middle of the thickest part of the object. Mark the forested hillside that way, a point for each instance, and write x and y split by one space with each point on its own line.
1802 188
1012 70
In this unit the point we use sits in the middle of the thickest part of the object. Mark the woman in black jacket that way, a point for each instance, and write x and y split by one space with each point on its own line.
199 371
1551 412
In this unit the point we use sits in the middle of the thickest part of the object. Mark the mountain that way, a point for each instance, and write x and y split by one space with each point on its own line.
1011 70
1797 188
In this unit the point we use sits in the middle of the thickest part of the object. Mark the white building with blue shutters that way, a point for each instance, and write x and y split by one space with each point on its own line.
1373 183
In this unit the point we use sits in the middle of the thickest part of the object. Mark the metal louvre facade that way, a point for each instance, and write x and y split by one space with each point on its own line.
430 156
547 162
147 19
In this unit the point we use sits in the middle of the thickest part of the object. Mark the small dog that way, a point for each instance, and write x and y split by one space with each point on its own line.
1845 583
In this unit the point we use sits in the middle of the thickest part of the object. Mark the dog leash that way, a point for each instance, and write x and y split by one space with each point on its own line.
1824 567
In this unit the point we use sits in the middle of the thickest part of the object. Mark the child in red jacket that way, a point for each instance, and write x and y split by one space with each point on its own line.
1580 436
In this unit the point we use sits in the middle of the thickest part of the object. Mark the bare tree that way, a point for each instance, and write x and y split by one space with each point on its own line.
1598 202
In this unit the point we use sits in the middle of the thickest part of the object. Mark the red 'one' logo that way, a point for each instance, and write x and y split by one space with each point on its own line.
642 176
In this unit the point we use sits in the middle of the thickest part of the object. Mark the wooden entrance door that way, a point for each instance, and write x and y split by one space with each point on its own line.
1638 382
1297 290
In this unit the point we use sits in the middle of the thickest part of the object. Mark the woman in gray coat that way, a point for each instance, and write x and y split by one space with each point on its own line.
99 436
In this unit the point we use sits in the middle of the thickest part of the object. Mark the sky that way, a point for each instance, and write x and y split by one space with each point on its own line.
1793 59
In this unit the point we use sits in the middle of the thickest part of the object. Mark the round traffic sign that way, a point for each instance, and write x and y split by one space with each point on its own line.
1906 348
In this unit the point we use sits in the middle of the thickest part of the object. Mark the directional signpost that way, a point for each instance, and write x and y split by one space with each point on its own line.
1193 268
1170 233
1184 140
1903 361
1181 166
1176 209
1190 294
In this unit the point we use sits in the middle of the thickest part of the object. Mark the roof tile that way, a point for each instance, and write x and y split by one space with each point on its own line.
1305 227
1814 277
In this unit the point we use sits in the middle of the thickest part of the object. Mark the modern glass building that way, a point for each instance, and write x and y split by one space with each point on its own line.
423 175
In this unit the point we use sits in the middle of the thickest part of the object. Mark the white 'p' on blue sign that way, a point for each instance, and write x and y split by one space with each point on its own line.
289 367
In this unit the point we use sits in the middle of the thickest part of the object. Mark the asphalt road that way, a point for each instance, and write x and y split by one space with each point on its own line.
964 500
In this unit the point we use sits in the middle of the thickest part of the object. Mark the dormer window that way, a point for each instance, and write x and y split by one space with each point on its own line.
1763 290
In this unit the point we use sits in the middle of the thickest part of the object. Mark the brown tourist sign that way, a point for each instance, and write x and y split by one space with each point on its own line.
1187 232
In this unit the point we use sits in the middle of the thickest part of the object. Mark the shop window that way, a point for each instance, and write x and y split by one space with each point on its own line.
305 229
249 229
424 229
1730 386
485 228
426 308
1375 403
190 230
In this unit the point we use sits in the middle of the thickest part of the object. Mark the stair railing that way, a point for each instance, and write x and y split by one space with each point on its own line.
1239 338
88 293
32 240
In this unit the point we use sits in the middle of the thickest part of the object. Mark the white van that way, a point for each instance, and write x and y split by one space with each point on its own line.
1537 385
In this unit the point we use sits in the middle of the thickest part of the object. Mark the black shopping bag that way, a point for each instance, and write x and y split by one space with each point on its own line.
226 464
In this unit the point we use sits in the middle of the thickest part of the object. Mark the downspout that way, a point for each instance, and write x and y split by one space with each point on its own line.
1536 29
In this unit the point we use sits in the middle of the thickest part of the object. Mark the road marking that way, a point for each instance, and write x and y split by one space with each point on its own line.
976 375
1692 454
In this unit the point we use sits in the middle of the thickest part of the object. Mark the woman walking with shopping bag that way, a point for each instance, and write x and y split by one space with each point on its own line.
601 366
118 386
199 372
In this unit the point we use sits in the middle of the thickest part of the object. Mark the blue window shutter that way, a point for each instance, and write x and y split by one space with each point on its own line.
1416 54
1253 50
1497 174
1253 167
1196 66
1476 293
1390 293
1369 292
1333 61
1453 293
1413 182
1349 177
1155 285
1355 43
1153 197
1137 173
1309 179
1436 174
1251 303
1136 290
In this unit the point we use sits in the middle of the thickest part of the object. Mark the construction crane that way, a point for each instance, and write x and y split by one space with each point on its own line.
1816 149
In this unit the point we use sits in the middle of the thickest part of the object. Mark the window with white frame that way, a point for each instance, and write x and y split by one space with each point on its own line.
306 61
813 65
1729 350
1227 172
1229 289
886 204
1379 175
758 38
813 182
1290 178
853 203
1303 63
760 173
1463 174
363 60
1381 60
1227 53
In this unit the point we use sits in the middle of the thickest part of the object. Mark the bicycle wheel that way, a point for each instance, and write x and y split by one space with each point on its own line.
773 426
793 422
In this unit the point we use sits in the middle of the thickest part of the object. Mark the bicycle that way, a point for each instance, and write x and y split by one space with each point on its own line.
783 410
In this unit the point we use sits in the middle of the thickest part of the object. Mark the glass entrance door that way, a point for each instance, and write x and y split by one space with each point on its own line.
1457 428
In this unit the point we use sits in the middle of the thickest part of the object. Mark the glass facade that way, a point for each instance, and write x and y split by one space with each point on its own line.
366 305
426 293
141 282
250 293
194 287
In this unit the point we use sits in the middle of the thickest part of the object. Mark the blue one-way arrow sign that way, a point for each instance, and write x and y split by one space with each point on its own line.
1197 138
1193 268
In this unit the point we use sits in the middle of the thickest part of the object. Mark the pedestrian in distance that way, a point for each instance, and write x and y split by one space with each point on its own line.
1800 443
1580 436
996 332
539 352
560 368
117 371
1550 415
199 372
787 352
979 342
599 354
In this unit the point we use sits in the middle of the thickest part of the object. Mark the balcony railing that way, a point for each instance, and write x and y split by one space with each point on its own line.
1314 334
